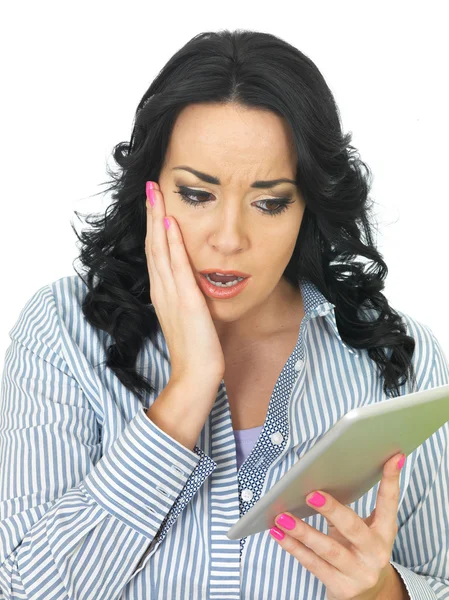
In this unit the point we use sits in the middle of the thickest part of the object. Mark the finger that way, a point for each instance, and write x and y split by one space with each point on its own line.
330 576
344 519
183 271
152 272
387 502
317 542
149 237
158 244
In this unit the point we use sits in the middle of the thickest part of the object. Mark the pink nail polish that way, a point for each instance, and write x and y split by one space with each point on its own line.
401 462
286 521
149 191
317 499
277 533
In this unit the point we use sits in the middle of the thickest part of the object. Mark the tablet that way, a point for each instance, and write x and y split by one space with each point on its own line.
348 460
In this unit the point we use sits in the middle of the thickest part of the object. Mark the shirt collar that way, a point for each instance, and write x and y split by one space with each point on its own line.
317 305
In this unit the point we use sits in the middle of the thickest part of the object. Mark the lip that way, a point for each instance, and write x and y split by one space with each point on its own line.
238 273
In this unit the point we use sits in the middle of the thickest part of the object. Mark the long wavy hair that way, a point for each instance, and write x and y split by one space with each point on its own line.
257 70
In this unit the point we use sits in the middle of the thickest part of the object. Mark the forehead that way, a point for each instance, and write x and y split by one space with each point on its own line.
230 134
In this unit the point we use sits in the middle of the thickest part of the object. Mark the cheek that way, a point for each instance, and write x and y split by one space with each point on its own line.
273 257
280 243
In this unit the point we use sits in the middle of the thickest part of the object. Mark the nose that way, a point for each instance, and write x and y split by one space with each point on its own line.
228 233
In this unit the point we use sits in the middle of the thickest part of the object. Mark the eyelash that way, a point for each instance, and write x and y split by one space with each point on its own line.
186 192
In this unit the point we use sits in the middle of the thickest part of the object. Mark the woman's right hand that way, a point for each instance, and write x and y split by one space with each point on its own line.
179 303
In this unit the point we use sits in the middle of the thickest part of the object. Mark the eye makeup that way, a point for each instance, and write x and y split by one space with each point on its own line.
187 194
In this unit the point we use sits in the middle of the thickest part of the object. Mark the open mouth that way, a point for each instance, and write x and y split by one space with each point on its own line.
220 290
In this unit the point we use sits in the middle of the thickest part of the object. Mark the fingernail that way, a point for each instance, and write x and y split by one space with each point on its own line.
401 462
286 521
166 223
149 190
277 533
317 499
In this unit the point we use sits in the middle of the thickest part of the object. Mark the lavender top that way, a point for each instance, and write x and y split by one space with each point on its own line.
245 440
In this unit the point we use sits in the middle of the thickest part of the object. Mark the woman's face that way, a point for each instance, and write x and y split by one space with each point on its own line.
230 231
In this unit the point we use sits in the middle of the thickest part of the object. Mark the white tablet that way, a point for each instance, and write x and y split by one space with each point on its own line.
349 458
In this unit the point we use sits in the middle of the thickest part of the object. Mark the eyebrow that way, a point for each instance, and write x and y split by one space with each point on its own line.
215 181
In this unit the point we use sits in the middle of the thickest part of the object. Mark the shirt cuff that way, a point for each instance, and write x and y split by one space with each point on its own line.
144 473
416 585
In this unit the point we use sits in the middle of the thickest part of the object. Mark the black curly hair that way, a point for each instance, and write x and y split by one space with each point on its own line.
259 70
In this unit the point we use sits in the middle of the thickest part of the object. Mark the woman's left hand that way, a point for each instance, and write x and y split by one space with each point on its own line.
353 560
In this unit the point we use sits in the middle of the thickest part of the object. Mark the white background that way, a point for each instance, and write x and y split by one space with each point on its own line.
73 75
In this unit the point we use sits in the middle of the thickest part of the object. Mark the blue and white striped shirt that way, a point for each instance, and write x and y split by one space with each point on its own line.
98 503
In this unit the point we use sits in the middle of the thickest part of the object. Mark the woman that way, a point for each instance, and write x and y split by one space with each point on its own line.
149 406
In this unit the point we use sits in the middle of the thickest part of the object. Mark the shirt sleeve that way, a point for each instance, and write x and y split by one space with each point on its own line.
75 524
421 549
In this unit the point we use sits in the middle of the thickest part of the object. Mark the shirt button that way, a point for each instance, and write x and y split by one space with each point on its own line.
277 438
299 364
247 495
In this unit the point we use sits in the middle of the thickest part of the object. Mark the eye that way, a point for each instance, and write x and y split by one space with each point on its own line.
187 194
